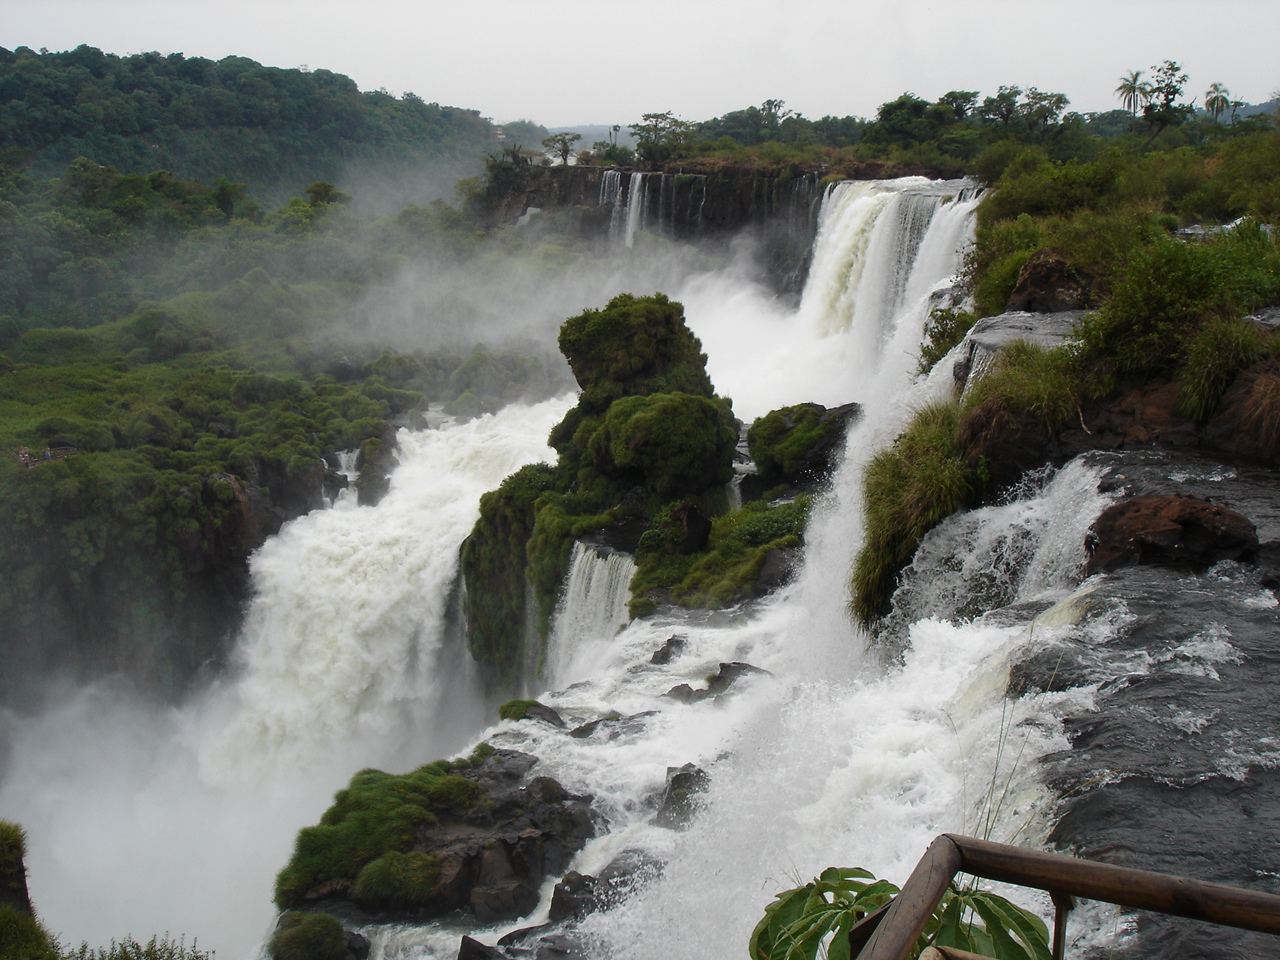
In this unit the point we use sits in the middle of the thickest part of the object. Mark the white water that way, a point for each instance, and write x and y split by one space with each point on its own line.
592 609
830 760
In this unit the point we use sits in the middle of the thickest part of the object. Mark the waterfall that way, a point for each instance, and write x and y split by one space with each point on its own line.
635 208
591 610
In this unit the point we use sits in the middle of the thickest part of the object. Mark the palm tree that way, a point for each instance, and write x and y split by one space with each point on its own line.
1217 100
1133 93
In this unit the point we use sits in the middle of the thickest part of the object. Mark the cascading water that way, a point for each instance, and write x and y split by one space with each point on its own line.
592 609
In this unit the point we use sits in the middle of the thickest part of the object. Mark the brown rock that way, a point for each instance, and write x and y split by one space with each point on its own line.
1049 284
1168 530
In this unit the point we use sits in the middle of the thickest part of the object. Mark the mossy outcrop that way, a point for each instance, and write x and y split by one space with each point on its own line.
477 835
799 444
647 430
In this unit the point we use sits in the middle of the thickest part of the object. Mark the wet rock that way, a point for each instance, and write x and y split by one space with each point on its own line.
472 949
1168 530
670 649
539 711
693 525
1049 284
717 684
678 804
612 726
990 335
358 946
777 570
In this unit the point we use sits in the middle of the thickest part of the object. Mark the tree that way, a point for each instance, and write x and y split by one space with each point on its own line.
661 137
561 144
1133 92
1162 109
1002 109
1041 111
961 102
1217 100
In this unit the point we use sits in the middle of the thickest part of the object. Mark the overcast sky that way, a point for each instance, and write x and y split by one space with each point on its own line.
570 62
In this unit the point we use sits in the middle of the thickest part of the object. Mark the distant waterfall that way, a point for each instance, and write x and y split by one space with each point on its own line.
592 609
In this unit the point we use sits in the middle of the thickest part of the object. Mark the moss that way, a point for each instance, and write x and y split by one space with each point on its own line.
634 346
308 936
398 881
780 441
675 444
375 815
908 489
726 571
516 709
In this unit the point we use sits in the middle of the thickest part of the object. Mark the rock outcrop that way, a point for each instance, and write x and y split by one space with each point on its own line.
1170 531
476 837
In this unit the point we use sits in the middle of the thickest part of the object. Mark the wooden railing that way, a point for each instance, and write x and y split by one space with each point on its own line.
891 932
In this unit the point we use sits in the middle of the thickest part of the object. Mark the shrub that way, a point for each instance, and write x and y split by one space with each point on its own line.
1212 358
799 921
943 331
398 881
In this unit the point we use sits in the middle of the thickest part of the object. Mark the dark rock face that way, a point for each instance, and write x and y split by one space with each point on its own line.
679 798
694 528
1169 531
1048 284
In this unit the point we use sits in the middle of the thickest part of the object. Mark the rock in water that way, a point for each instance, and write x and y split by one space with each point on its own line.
1168 530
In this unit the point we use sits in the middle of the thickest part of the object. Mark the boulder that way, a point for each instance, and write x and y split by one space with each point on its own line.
1168 530
671 648
1049 284
717 684
693 526
678 803
990 335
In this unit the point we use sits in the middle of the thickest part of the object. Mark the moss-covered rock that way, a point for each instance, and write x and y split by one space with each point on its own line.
798 444
494 563
478 835
675 444
308 936
634 346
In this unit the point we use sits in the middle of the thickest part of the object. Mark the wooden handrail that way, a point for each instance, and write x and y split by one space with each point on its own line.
897 928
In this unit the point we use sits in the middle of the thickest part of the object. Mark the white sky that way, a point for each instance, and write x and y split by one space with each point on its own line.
570 62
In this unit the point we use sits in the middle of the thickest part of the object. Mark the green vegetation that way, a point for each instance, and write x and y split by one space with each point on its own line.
780 441
365 838
157 948
799 921
516 709
943 331
307 936
725 571
274 129
908 488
